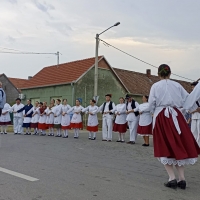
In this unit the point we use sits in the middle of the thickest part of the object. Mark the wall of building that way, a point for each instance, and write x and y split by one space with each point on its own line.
46 93
11 92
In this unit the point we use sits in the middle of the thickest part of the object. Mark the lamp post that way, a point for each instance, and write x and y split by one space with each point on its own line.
96 60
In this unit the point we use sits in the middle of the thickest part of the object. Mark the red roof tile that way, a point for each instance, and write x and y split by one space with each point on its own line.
63 73
18 83
140 83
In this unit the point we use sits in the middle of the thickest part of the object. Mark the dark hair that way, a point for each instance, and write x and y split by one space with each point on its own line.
122 98
41 103
59 100
17 99
78 100
53 100
29 100
194 83
64 99
93 100
164 70
147 97
37 102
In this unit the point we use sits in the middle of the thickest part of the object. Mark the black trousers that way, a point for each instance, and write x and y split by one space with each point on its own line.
0 111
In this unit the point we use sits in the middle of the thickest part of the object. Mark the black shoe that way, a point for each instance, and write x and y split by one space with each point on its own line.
29 133
171 184
89 138
25 133
58 136
145 145
49 134
118 141
122 141
15 133
182 185
130 142
93 138
1 133
5 133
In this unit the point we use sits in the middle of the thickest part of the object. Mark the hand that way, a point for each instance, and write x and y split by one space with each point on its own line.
118 113
24 115
141 113
63 114
90 113
127 112
198 110
3 113
77 112
55 115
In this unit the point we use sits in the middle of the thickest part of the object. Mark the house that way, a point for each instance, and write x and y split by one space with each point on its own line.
11 87
74 80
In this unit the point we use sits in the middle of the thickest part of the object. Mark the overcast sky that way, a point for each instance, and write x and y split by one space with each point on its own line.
156 31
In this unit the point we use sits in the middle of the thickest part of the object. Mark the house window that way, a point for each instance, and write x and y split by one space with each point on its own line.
34 100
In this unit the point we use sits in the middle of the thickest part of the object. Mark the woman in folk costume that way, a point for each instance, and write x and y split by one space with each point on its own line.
5 118
65 121
50 119
27 116
174 144
57 110
145 121
120 124
76 121
35 117
92 125
42 120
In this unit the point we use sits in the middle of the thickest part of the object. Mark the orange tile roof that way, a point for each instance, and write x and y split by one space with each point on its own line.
140 83
18 82
63 73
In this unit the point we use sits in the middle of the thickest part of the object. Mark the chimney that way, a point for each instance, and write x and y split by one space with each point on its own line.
148 72
30 77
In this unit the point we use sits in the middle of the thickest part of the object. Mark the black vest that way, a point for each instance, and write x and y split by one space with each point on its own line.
133 107
197 103
110 107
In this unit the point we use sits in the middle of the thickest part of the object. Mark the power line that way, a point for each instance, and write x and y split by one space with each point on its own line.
109 45
25 52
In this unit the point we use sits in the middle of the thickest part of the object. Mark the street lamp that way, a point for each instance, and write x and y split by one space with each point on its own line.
96 60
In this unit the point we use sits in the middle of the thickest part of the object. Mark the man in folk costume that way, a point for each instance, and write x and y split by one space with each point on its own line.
17 117
132 118
195 124
2 98
107 109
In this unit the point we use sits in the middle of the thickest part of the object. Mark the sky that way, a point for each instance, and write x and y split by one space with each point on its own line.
155 31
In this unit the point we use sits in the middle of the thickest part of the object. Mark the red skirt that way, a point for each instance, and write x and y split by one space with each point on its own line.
42 126
34 125
5 123
76 125
49 125
121 128
145 130
92 128
168 143
65 127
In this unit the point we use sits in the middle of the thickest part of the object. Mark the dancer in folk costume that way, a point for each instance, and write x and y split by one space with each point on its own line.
35 117
2 98
17 117
5 118
120 124
76 121
42 120
107 110
132 118
92 125
50 119
195 119
65 121
57 110
145 121
27 117
174 143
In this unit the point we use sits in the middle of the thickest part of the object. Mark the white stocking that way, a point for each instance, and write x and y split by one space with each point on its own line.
75 135
122 136
1 128
90 134
170 171
94 134
77 132
52 130
119 136
180 170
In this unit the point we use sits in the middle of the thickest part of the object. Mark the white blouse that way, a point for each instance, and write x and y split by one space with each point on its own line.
76 118
6 117
167 94
92 119
121 109
49 116
145 116
57 110
66 118
36 112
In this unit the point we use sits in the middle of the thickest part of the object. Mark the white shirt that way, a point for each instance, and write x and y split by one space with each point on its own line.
131 116
92 119
106 109
6 117
190 103
49 116
196 115
66 118
57 110
145 116
15 108
121 109
76 118
167 94
36 111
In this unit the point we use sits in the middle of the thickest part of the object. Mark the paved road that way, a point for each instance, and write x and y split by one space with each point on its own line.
70 169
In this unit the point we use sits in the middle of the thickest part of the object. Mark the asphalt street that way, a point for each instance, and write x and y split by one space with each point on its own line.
73 169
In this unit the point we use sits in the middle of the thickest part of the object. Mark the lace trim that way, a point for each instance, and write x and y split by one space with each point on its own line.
173 161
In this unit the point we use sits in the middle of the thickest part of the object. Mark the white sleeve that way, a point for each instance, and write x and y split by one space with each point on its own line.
95 111
70 110
137 107
85 109
31 110
113 105
152 100
190 103
100 108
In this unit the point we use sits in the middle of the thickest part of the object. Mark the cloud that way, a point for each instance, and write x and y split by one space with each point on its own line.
43 7
13 1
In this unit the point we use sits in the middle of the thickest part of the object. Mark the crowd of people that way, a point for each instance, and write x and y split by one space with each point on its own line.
166 114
